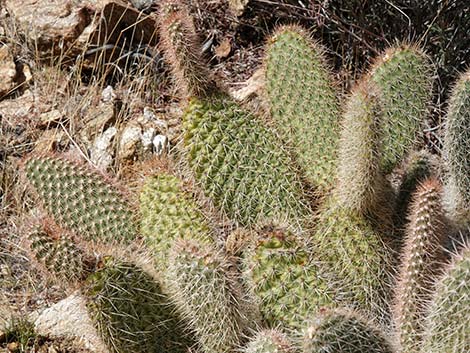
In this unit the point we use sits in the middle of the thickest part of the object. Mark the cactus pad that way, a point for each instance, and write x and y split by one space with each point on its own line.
208 294
239 165
131 312
169 213
81 201
341 331
303 102
287 282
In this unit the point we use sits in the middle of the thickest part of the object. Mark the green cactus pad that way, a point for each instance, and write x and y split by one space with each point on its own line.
361 184
208 294
351 246
287 282
423 257
341 331
447 328
404 76
303 102
60 257
169 213
81 201
457 145
131 312
269 341
239 165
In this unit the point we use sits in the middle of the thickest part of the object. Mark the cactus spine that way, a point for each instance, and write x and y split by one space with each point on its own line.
447 327
269 341
233 157
457 145
342 331
404 77
169 213
303 102
208 294
81 201
287 282
422 259
131 312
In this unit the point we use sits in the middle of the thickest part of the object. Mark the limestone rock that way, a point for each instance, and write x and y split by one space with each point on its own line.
69 319
7 71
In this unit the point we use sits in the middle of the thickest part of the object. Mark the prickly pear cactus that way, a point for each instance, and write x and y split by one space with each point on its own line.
208 294
418 167
457 145
423 257
131 312
60 257
447 327
361 184
269 341
303 102
287 282
182 48
81 201
169 213
343 331
404 76
235 159
352 247
239 165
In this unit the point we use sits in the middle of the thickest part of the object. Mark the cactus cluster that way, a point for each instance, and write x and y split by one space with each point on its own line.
313 267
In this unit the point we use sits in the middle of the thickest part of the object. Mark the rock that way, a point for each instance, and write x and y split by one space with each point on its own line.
108 94
69 319
49 118
147 138
149 114
49 24
97 119
7 71
130 138
223 49
17 108
160 142
251 87
238 6
143 4
101 153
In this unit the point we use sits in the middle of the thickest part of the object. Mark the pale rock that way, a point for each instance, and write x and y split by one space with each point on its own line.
147 138
160 142
101 154
69 319
7 71
130 138
238 6
108 94
19 107
51 117
250 87
149 114
49 23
